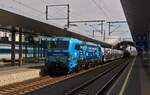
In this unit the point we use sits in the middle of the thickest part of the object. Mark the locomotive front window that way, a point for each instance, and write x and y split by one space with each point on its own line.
58 45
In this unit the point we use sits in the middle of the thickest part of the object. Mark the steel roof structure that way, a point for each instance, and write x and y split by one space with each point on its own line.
11 19
138 18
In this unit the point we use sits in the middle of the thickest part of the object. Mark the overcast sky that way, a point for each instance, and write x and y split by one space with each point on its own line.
109 10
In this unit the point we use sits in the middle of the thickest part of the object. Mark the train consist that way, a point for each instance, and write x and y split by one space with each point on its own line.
66 54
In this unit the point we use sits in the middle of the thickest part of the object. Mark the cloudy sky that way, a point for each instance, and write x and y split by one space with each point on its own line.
109 10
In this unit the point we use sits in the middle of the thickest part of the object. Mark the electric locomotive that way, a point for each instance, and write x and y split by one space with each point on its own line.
65 54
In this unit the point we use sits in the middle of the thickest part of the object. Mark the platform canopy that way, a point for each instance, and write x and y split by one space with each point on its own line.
138 18
14 20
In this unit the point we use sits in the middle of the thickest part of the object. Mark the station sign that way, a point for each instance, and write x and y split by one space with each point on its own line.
141 41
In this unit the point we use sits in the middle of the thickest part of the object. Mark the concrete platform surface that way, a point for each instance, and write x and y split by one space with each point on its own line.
139 80
18 74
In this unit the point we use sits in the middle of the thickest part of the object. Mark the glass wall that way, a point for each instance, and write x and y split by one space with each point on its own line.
33 49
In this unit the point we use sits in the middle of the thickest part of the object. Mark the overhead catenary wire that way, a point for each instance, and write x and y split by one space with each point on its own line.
39 17
34 9
62 12
74 15
12 7
100 9
42 13
105 7
27 6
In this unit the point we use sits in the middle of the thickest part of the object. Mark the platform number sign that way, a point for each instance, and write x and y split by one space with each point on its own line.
141 42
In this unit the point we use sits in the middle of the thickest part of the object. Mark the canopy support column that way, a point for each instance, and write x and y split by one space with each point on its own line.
13 46
20 46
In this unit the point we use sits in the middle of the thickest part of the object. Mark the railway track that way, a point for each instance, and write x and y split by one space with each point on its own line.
22 87
41 82
104 79
34 84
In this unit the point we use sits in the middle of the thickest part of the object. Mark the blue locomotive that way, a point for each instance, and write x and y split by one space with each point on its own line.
65 54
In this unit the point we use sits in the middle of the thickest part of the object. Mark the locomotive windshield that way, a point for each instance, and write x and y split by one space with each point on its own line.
58 44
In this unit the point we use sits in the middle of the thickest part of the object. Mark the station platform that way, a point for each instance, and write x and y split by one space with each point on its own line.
13 74
138 82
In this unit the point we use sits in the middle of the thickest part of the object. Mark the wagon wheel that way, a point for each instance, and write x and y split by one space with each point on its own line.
78 68
87 65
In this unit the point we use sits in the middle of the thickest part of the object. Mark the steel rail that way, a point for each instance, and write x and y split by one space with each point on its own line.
85 84
106 87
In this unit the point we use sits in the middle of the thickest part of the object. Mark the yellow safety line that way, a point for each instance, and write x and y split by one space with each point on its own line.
126 80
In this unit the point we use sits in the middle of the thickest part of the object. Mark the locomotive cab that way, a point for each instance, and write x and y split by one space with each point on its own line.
57 54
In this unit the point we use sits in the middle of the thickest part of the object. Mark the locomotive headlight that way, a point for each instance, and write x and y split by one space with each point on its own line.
69 58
